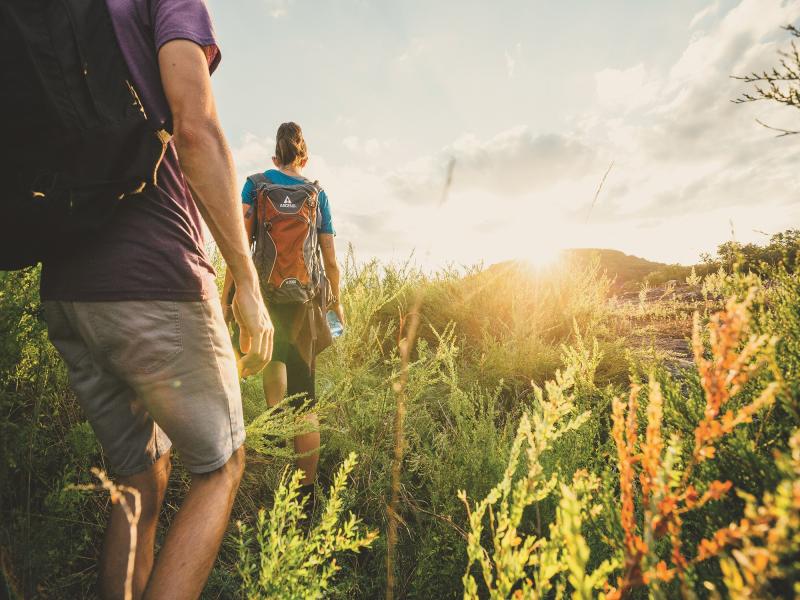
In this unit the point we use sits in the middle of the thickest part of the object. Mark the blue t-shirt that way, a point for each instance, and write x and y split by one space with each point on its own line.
324 222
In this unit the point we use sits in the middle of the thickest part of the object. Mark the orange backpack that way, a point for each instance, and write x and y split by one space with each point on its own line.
285 243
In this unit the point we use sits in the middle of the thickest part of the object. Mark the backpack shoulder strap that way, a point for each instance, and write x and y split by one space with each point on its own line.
315 184
258 179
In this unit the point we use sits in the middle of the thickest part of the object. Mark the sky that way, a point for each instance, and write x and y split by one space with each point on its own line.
530 102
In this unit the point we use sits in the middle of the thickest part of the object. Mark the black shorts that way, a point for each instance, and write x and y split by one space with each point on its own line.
299 374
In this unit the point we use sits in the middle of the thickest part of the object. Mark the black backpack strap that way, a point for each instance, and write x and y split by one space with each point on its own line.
258 179
317 186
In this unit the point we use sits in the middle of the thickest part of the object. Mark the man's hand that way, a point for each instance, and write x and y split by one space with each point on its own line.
255 330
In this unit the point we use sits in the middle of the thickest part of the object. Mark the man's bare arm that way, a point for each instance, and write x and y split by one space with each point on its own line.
207 164
227 286
203 152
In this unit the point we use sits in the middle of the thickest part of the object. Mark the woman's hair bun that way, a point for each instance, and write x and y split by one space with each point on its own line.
290 147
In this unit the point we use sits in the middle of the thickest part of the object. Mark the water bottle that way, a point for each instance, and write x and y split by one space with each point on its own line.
335 325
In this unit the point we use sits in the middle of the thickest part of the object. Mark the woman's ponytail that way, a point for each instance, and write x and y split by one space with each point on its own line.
290 147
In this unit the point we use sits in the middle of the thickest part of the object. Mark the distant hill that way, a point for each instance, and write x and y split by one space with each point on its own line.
624 267
627 272
630 272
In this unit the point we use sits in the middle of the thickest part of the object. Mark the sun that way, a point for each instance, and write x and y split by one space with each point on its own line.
541 256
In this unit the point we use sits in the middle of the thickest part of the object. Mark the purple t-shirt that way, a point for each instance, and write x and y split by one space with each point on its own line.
153 248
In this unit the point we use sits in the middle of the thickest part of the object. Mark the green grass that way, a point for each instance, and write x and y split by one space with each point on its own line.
488 337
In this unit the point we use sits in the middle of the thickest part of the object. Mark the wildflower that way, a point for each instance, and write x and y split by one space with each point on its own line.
667 493
724 374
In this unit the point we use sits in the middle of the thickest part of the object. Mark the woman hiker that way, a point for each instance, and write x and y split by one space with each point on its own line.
289 217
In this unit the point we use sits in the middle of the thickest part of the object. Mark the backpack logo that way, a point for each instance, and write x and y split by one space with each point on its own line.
287 203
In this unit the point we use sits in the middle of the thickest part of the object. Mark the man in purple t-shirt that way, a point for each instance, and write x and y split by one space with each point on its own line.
136 316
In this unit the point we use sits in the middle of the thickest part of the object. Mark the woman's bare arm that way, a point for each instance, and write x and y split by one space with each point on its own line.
332 270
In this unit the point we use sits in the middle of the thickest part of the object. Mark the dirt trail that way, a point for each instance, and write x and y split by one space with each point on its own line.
661 319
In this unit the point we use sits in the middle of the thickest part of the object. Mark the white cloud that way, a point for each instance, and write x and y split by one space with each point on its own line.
684 147
253 154
416 48
687 161
351 142
625 89
511 163
368 148
499 198
345 121
720 51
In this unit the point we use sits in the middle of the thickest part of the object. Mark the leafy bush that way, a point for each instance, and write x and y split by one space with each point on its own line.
489 339
276 557
527 566
661 484
49 534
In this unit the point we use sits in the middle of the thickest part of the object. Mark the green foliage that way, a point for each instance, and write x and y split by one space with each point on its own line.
268 431
525 566
693 279
489 339
485 337
576 509
277 559
46 444
782 249
664 537
761 560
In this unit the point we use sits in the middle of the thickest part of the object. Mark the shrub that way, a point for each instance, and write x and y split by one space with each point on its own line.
525 566
661 486
488 337
278 560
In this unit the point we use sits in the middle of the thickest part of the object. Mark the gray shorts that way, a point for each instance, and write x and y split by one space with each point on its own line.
152 374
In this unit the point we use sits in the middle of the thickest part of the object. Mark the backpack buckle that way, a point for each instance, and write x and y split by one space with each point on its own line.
44 183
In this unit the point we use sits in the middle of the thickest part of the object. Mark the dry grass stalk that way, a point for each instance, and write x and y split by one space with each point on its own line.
117 494
599 189
8 579
409 324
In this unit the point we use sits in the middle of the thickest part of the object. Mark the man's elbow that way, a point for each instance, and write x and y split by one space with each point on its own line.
196 133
